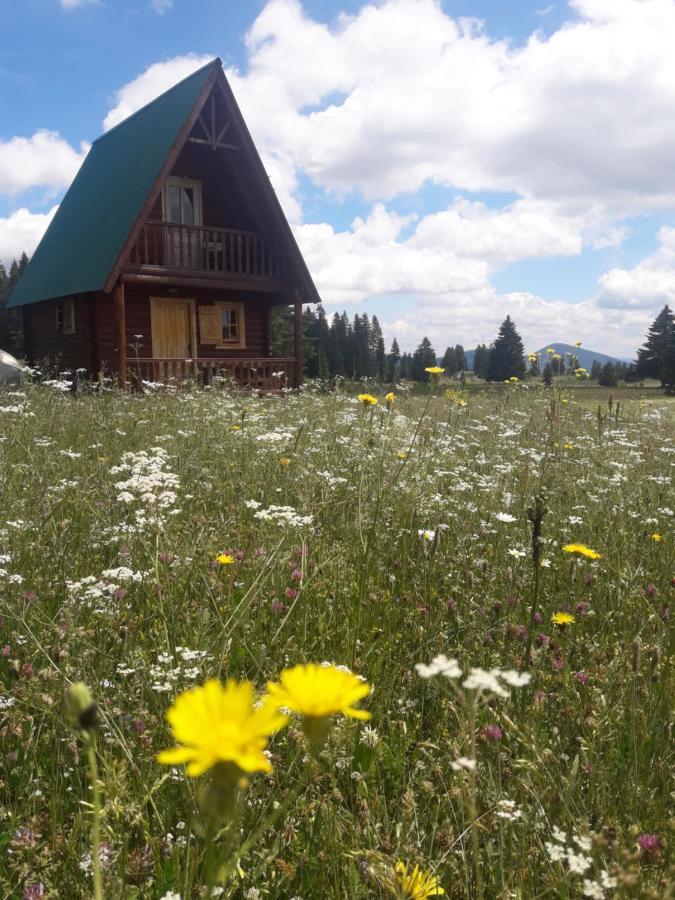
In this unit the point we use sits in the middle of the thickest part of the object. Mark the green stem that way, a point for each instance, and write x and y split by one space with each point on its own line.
473 811
96 824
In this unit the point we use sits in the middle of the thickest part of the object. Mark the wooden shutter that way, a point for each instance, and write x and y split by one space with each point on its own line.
210 331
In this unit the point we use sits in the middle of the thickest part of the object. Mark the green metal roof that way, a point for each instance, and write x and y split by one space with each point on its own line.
85 237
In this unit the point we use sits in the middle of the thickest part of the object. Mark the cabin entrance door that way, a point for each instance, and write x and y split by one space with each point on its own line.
173 328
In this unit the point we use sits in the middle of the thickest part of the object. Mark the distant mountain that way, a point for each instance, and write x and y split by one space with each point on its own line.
584 356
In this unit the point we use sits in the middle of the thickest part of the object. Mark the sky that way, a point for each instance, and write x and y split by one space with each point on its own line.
442 162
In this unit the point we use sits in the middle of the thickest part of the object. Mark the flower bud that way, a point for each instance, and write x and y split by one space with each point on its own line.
80 706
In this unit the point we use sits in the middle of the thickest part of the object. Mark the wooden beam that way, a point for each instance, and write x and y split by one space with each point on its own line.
171 278
298 352
121 329
213 144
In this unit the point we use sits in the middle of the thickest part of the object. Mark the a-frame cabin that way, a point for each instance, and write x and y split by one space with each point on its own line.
168 252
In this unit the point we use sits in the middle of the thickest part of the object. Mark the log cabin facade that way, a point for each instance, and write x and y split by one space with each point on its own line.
168 252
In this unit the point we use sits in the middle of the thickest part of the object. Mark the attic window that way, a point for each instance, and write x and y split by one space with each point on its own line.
65 316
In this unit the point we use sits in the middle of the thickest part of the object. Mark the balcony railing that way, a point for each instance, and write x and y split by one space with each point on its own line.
203 249
266 374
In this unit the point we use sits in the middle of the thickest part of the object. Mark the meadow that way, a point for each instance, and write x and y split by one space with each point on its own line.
497 567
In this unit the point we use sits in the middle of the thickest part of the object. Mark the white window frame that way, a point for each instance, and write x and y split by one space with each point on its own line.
196 186
65 316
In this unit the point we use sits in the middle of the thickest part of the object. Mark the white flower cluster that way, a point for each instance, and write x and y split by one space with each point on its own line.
149 481
6 703
575 854
168 671
96 593
508 809
282 515
477 679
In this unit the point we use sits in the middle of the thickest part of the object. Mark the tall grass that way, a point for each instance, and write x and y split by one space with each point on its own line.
406 536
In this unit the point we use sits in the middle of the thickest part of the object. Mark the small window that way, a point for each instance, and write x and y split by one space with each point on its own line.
222 325
65 316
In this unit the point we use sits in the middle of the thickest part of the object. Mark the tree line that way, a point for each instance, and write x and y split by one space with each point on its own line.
11 322
356 349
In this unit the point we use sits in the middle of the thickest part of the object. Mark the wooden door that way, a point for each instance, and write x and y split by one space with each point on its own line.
171 323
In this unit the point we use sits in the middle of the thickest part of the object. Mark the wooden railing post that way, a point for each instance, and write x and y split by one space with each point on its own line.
121 326
298 351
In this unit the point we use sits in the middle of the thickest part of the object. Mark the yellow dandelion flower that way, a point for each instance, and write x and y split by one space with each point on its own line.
415 885
550 350
581 550
513 379
434 370
656 537
235 427
317 692
577 343
225 559
389 398
218 723
562 618
368 399
284 461
402 454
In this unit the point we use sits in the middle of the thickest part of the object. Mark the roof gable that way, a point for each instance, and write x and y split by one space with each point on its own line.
85 245
84 239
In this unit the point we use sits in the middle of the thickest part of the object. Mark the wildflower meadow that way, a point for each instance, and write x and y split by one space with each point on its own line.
336 645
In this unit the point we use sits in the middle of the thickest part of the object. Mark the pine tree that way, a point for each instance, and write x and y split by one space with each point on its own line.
507 356
608 376
406 367
424 357
377 349
596 370
481 361
334 347
449 361
309 343
393 362
653 358
461 358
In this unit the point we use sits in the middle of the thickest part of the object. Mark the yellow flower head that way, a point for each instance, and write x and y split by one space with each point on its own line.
577 343
317 692
581 550
368 399
218 723
434 370
389 398
550 350
284 461
415 885
514 379
225 559
562 619
532 357
656 537
402 454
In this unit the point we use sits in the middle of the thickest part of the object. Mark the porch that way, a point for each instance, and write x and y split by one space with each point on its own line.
269 375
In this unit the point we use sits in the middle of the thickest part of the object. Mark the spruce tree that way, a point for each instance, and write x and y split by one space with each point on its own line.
449 361
424 357
507 355
653 358
481 361
608 376
393 362
460 355
596 370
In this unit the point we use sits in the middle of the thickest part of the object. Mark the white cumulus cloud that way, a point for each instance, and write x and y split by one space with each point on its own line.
43 160
156 79
21 232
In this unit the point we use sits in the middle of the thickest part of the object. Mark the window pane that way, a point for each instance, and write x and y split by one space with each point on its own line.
174 204
188 206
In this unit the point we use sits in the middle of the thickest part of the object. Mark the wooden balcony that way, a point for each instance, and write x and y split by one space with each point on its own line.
268 375
204 251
